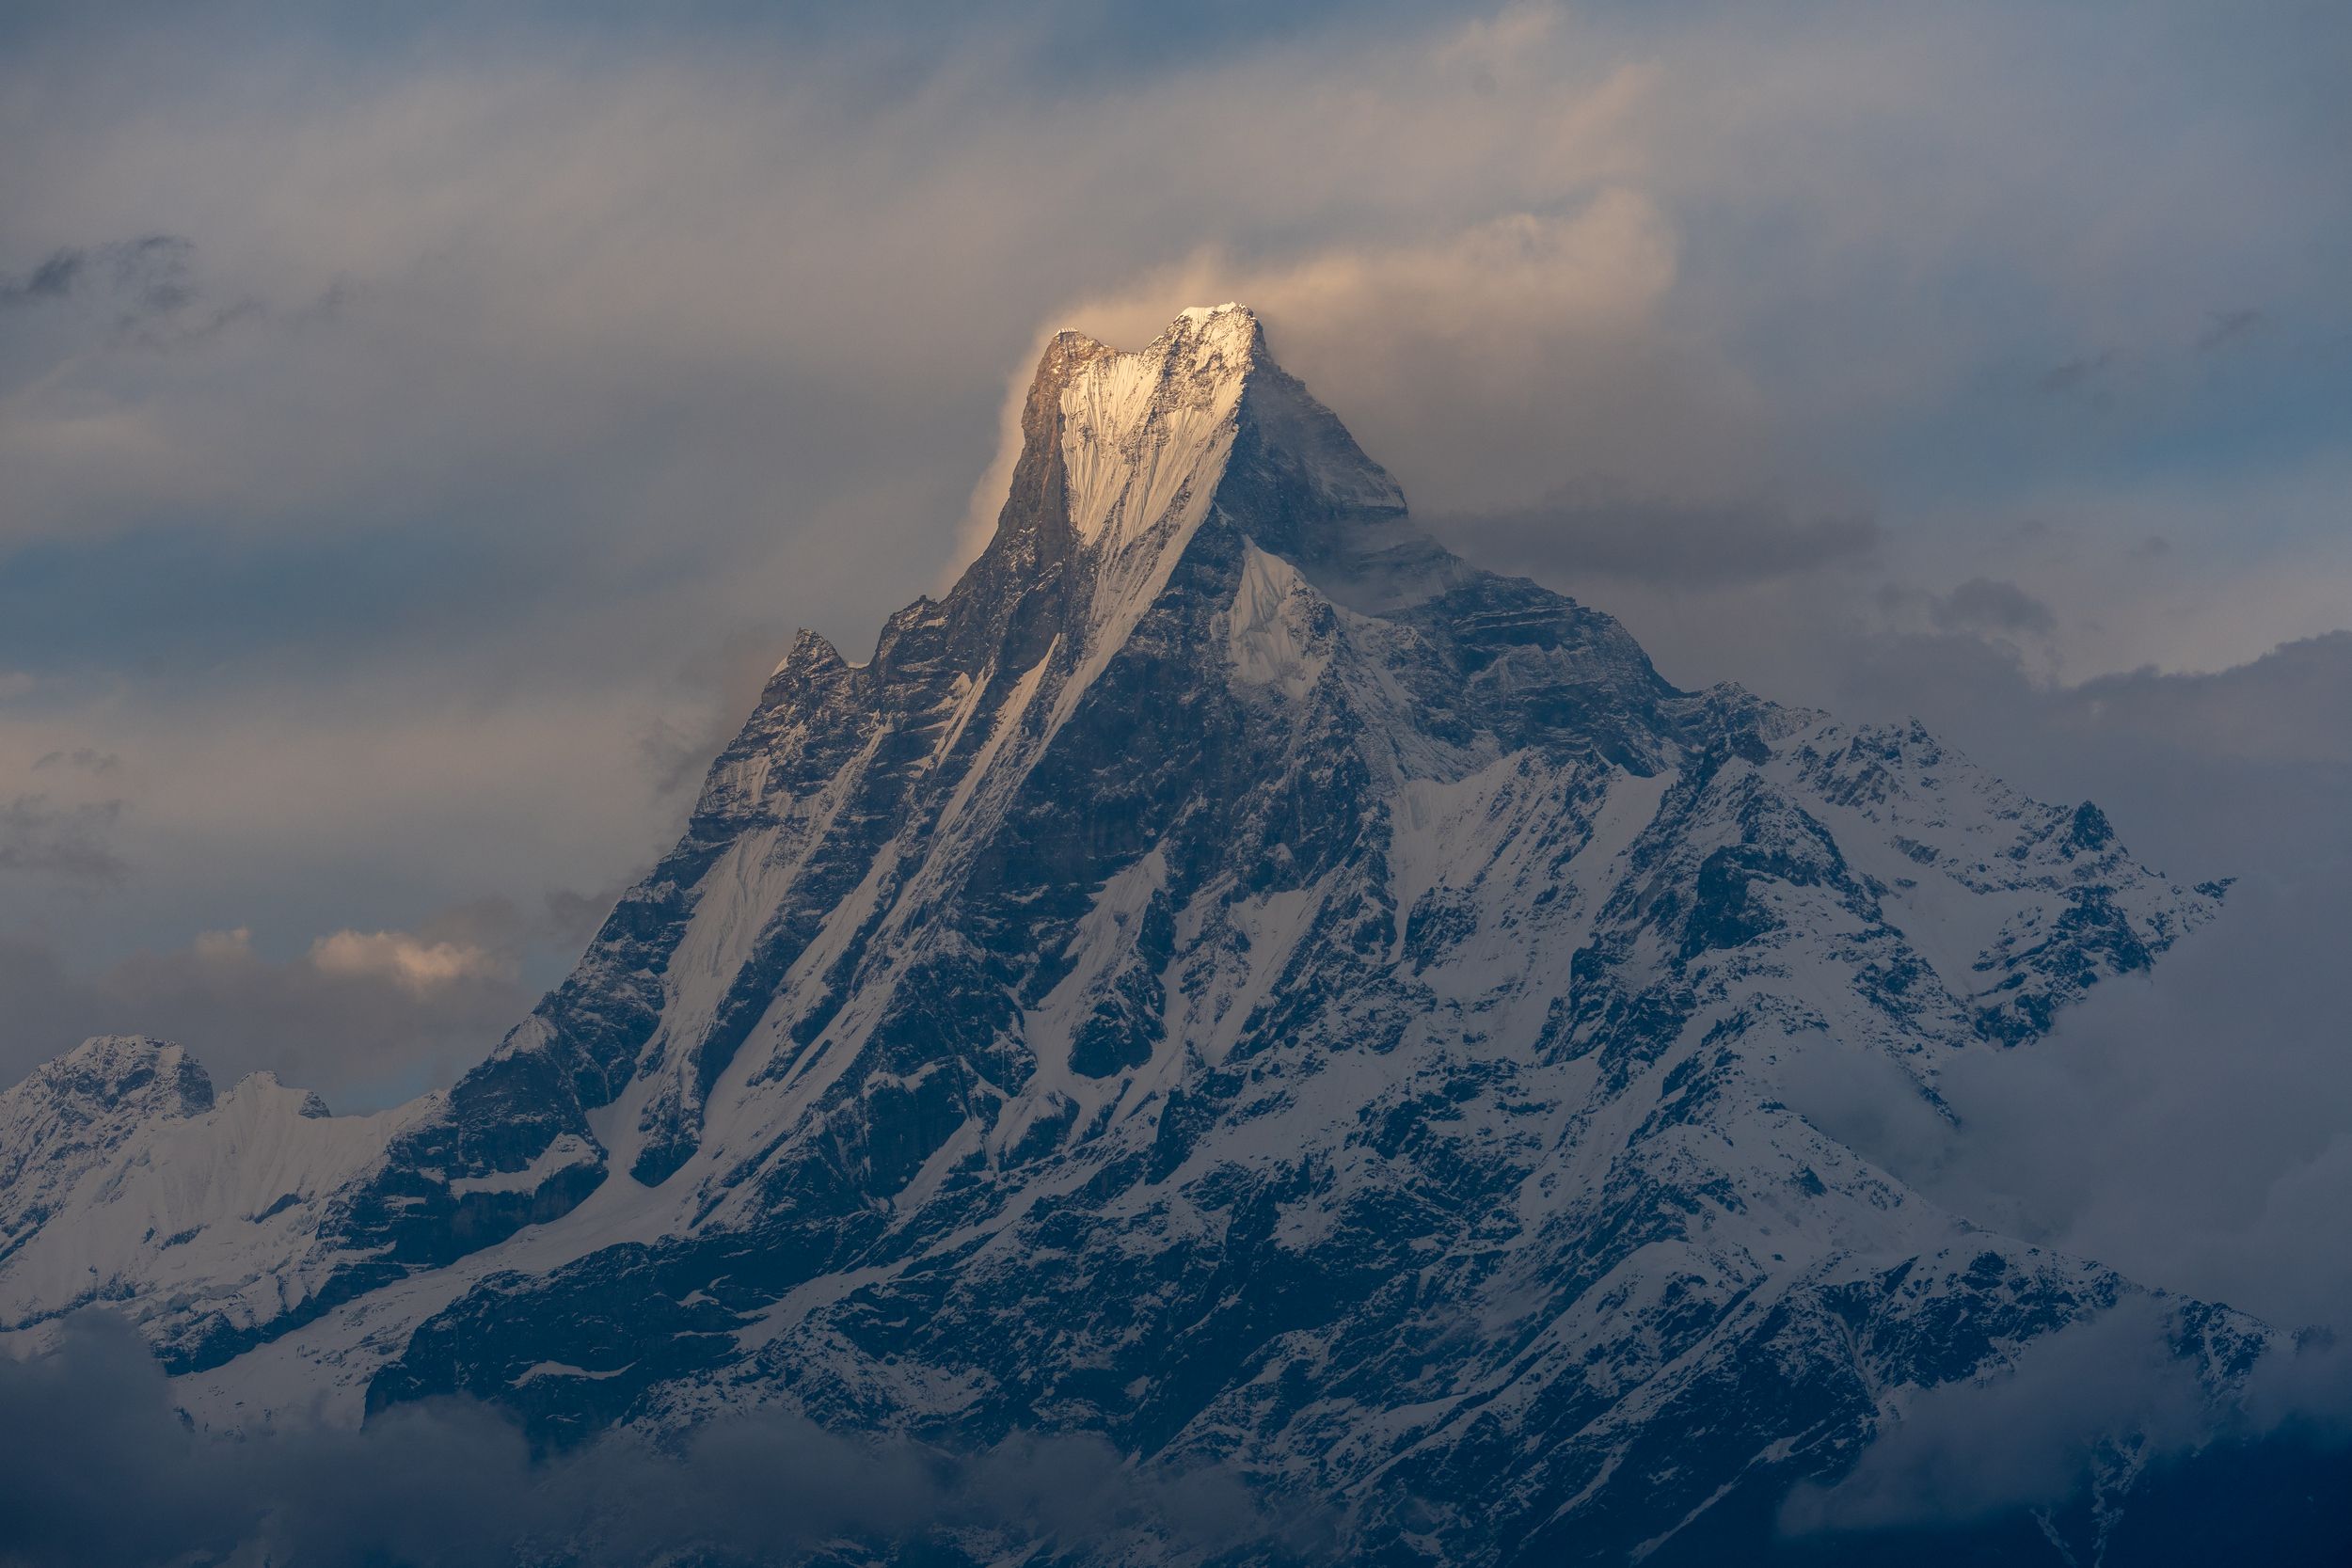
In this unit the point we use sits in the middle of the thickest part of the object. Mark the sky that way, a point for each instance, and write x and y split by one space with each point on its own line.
424 427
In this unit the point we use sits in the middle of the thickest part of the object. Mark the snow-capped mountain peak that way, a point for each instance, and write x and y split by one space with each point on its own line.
73 1114
1228 976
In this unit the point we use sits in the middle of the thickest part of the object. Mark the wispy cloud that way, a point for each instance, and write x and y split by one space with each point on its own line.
53 279
2077 375
44 837
2230 326
1986 604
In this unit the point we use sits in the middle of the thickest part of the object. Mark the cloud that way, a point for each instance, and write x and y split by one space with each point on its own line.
2229 327
2294 704
53 279
728 678
365 1018
566 395
144 290
572 378
280 812
2074 374
2250 1466
81 759
121 1478
563 378
419 497
1981 604
48 838
573 916
417 967
1478 366
1488 366
2032 1434
559 377
2184 1126
1658 542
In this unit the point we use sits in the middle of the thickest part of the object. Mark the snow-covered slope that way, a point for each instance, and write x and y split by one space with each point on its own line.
74 1113
1229 976
127 1181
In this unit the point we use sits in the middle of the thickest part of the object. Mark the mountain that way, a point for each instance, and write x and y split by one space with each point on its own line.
1231 978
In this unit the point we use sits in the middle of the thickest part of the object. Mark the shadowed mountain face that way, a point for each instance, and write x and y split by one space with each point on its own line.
1229 977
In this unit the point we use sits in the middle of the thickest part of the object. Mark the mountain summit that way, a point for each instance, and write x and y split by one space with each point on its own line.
1229 977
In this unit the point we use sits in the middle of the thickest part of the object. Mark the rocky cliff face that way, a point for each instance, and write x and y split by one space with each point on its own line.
1232 977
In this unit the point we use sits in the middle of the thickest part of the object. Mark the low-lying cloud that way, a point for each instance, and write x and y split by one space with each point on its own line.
120 1478
2032 1434
2074 1420
2190 1127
